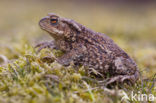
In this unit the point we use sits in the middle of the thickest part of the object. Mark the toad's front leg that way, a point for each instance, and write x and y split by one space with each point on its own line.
71 55
50 45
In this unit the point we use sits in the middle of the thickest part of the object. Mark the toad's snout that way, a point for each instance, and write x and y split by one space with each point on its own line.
43 20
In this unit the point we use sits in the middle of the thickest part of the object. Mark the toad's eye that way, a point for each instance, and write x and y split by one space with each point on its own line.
53 21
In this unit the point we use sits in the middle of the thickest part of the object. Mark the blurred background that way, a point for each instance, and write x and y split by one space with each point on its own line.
130 23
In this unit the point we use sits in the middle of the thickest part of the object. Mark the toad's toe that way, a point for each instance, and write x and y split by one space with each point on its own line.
121 79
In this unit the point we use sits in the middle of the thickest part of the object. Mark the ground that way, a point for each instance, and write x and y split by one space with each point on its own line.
28 79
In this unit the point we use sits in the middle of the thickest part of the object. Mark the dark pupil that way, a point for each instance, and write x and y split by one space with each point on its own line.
53 21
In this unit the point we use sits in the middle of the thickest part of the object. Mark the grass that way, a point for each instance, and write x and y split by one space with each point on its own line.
26 78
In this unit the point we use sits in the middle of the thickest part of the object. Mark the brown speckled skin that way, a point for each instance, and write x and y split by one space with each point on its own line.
91 49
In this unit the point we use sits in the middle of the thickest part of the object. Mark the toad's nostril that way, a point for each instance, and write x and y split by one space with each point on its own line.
43 19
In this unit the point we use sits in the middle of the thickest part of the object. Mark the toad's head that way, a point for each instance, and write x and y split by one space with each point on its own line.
59 27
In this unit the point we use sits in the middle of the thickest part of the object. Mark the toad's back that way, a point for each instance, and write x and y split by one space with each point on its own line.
103 54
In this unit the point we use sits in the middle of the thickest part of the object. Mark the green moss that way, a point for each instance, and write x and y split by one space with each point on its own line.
29 79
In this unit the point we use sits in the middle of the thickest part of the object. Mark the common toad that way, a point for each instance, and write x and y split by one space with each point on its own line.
91 49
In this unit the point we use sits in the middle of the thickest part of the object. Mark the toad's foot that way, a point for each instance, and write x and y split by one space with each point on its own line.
130 79
45 45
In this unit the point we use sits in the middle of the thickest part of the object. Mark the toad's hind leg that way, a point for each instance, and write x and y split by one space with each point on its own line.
123 78
125 71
